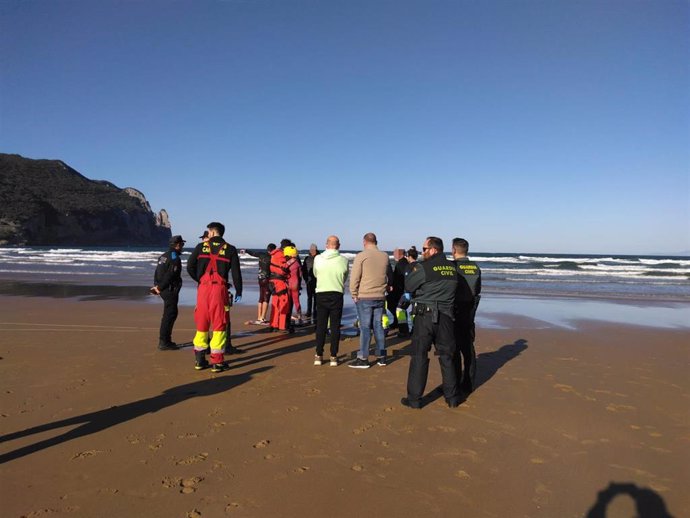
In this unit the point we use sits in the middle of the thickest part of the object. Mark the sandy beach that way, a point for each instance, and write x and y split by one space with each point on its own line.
95 422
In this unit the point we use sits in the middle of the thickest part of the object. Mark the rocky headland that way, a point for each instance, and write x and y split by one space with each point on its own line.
46 202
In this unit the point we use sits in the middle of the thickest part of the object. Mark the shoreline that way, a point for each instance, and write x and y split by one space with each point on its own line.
109 426
564 311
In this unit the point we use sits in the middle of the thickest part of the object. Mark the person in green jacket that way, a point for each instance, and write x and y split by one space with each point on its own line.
330 269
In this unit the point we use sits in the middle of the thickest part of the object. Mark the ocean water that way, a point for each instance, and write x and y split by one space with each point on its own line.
539 281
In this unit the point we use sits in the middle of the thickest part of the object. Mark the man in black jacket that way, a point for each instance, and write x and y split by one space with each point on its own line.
310 281
433 284
210 265
264 274
167 281
466 303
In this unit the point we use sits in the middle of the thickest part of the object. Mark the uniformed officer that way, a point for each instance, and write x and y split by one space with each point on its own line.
466 302
210 264
167 281
433 284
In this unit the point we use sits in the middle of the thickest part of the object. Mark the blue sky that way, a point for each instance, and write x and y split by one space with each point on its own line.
524 126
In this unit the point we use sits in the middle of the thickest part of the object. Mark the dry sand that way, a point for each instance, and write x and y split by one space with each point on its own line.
95 422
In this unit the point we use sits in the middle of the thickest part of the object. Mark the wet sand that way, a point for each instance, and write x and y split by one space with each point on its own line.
95 422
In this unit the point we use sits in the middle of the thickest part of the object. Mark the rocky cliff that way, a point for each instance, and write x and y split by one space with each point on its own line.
46 202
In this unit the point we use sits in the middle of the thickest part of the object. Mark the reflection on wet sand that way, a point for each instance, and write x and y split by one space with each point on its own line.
77 291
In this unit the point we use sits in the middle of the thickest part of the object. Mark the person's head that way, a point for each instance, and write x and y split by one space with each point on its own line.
432 245
290 251
177 243
215 229
333 243
412 254
313 250
369 239
460 247
285 242
204 236
398 254
271 247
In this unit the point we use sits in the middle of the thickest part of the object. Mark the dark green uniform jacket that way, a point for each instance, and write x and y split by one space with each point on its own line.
433 282
470 281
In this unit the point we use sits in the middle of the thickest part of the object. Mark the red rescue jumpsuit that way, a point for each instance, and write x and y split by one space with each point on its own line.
212 309
278 280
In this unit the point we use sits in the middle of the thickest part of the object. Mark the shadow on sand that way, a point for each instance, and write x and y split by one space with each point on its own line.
647 502
488 365
96 421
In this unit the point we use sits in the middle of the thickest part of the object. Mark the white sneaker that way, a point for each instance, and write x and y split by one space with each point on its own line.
318 360
334 361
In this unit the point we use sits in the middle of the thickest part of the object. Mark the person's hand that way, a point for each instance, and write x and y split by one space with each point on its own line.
155 290
238 298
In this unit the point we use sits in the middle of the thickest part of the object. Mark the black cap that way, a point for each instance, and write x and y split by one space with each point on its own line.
176 239
204 235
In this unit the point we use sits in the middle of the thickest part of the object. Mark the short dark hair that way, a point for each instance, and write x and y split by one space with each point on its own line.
435 242
370 237
271 247
412 253
285 242
461 245
218 227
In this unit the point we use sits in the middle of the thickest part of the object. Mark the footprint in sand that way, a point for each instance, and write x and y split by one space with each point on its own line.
462 474
189 485
312 391
133 439
169 482
301 469
291 408
194 513
199 457
262 444
357 467
537 460
85 454
188 436
231 507
363 428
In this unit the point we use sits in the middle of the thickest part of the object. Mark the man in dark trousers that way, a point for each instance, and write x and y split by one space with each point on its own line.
433 284
167 281
398 284
210 265
264 274
310 281
466 302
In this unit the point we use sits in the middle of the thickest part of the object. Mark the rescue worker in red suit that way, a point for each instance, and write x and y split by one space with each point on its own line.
295 281
210 264
281 306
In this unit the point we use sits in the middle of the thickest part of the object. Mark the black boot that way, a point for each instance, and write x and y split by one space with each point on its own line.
200 362
164 345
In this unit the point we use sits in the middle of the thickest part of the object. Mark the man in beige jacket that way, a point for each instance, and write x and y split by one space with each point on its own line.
370 279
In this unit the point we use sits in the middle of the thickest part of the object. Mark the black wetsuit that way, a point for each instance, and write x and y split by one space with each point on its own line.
466 302
168 278
433 284
310 282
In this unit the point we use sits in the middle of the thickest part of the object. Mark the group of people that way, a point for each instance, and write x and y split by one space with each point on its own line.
441 294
